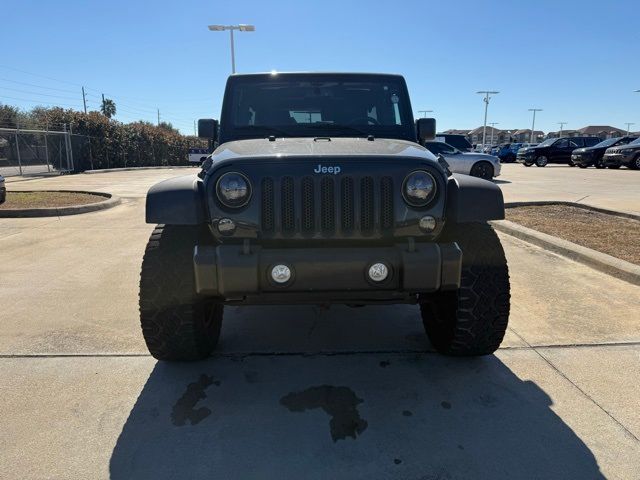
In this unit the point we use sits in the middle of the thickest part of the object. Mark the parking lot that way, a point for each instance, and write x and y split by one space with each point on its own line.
307 392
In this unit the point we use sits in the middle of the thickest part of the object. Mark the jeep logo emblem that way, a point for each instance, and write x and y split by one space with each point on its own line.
322 169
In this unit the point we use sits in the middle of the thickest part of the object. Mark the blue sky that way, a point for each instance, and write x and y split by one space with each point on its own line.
576 60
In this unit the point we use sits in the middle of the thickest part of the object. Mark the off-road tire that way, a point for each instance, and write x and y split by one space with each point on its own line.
635 163
527 164
482 170
473 319
177 324
599 165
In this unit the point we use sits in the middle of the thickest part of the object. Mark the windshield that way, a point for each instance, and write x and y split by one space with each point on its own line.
547 142
608 142
635 142
303 105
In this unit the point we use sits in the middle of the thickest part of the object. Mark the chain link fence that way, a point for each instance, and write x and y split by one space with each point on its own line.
34 152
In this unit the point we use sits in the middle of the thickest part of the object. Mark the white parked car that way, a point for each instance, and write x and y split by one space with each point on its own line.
475 164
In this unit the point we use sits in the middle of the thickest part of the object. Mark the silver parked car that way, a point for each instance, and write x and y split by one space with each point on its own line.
472 163
3 190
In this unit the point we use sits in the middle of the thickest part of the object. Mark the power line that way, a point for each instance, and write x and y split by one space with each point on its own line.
37 86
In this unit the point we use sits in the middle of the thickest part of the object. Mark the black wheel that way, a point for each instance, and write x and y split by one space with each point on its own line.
473 319
571 164
177 324
583 165
541 161
614 167
482 170
599 164
635 163
527 164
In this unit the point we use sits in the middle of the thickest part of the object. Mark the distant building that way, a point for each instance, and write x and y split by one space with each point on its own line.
499 136
602 131
524 135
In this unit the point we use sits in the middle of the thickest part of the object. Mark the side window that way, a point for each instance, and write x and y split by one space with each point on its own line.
576 143
434 148
562 143
591 141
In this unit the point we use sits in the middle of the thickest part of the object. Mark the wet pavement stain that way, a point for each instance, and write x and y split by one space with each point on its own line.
397 461
184 410
446 405
407 413
340 403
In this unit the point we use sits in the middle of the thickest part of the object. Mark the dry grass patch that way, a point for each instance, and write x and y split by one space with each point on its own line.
23 200
615 236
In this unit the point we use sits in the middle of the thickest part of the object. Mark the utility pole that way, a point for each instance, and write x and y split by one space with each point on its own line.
158 116
628 124
533 124
493 127
103 102
195 132
487 96
424 112
562 124
84 100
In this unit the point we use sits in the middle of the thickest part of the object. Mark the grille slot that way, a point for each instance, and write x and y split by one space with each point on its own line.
366 205
267 205
386 203
308 211
288 207
327 205
346 195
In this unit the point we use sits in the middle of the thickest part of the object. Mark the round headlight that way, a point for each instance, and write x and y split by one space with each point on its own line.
233 189
419 188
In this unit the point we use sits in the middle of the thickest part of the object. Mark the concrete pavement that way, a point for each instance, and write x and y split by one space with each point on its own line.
303 392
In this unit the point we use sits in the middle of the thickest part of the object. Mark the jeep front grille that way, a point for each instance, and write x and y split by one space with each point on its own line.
327 206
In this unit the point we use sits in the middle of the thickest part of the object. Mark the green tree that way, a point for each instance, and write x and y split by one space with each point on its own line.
168 127
108 108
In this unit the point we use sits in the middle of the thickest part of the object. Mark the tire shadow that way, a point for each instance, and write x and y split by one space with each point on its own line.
414 415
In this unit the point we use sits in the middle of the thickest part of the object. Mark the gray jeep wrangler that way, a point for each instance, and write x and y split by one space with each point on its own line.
319 192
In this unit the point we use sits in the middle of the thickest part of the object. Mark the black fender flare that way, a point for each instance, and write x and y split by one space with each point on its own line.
471 199
177 201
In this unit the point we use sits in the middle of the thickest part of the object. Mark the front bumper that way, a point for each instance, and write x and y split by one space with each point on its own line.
580 159
612 159
242 273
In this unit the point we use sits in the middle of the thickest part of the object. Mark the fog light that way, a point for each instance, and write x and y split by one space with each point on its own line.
378 272
281 274
427 224
226 226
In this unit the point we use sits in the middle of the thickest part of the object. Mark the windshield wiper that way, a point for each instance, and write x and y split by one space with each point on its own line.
334 127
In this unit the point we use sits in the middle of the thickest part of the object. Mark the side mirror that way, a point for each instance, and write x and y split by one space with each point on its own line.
425 130
208 128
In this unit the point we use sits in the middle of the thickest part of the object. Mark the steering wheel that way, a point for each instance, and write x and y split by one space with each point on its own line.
368 121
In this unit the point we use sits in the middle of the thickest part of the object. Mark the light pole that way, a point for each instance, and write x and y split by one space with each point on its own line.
487 96
493 127
562 124
533 125
628 124
424 112
231 28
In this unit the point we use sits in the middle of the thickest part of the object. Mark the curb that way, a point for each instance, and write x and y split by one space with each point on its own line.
600 261
128 169
111 201
572 204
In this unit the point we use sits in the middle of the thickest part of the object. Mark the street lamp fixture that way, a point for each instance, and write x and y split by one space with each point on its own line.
487 96
533 124
242 28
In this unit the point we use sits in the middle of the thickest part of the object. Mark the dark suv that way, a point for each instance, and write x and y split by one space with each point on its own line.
319 192
627 155
554 150
587 156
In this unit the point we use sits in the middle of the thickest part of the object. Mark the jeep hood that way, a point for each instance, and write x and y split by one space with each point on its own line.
321 146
